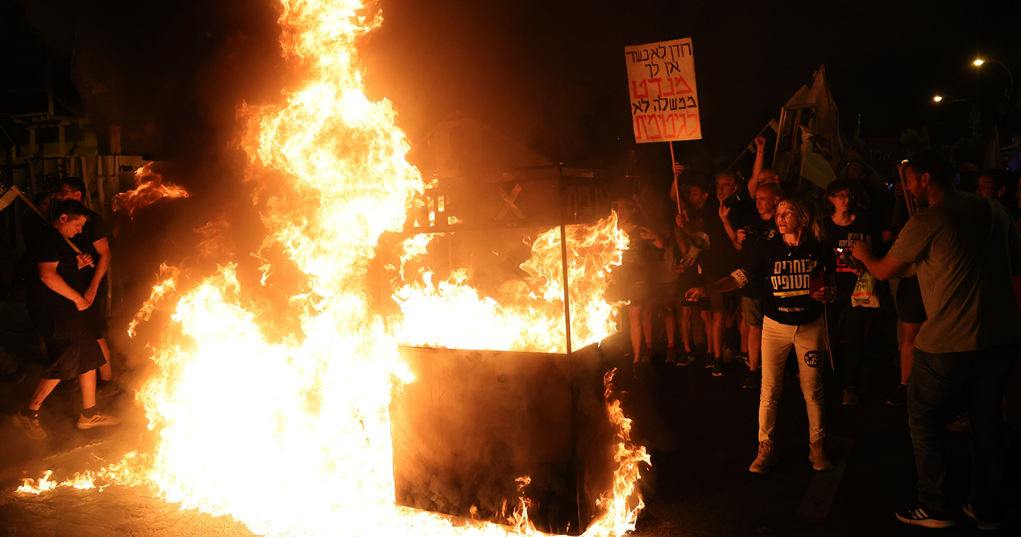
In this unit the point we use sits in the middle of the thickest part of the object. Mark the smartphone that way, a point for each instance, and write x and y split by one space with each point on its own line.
817 282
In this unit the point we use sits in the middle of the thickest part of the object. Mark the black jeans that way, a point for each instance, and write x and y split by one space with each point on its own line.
979 378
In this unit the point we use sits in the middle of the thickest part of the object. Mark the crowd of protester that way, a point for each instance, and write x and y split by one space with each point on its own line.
767 272
764 272
62 277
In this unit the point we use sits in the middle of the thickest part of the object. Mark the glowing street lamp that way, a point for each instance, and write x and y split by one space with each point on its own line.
979 62
937 98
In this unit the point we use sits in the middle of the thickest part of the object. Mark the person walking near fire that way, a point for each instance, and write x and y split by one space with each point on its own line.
799 274
56 305
94 240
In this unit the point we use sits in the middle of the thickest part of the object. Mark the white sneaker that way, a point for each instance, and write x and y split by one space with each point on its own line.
97 420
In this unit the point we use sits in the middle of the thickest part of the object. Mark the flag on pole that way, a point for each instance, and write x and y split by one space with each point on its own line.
813 111
7 195
821 141
814 163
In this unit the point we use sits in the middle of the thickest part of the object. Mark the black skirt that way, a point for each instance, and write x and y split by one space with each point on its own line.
70 339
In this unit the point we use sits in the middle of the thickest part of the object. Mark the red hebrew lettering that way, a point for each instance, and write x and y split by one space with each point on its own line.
677 83
656 81
651 120
634 88
693 115
669 126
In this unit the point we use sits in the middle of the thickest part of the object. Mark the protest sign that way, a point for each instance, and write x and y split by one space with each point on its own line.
661 81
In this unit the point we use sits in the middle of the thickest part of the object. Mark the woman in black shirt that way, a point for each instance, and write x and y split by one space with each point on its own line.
56 305
843 229
798 271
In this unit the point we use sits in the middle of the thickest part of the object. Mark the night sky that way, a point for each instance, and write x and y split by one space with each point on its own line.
550 74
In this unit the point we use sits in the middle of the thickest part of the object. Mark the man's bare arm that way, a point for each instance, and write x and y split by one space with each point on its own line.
884 268
760 160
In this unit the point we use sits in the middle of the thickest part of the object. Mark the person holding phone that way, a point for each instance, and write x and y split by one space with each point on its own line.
844 227
798 272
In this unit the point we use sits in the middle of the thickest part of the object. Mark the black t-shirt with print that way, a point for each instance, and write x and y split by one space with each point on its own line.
52 248
845 237
787 274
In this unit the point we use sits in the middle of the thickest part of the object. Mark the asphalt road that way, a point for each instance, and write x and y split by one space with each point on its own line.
700 429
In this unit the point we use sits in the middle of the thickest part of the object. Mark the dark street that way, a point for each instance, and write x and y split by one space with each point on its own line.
288 269
700 429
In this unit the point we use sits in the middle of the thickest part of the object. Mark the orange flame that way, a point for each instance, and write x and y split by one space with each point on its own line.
525 316
291 434
149 188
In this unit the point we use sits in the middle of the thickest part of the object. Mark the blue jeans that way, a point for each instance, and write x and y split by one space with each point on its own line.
979 379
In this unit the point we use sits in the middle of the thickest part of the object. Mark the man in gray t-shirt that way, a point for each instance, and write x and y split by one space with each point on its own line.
966 250
960 247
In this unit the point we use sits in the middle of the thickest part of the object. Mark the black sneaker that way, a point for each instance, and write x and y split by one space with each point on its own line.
984 525
29 424
920 515
718 367
641 370
899 396
685 358
709 360
753 380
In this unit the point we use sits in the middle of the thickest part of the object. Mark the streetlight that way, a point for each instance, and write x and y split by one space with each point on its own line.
979 62
937 98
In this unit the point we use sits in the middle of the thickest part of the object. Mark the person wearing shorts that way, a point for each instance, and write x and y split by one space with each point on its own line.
693 243
56 305
94 240
723 258
758 227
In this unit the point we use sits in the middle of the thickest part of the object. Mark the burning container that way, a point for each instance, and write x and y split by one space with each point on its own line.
502 388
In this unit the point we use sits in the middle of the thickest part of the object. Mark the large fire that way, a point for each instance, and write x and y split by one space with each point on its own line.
526 315
291 435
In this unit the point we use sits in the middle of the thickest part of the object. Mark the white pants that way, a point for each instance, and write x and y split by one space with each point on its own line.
809 344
